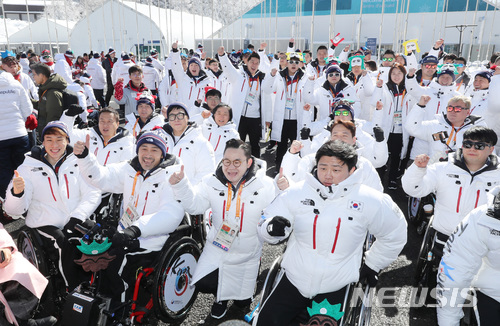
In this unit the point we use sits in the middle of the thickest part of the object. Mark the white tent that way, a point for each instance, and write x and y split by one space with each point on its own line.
117 24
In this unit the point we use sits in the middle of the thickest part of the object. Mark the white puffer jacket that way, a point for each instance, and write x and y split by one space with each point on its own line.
29 86
50 198
218 136
160 213
98 74
194 150
479 102
134 128
62 68
329 229
15 107
221 83
238 267
152 77
457 191
471 258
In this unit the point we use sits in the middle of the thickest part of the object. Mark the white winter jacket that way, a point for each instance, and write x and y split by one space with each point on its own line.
479 102
457 191
324 98
160 213
15 107
151 77
52 198
218 136
238 267
471 258
120 70
134 127
221 83
98 74
325 249
194 150
62 68
29 86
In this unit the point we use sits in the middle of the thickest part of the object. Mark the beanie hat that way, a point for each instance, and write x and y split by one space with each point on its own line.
145 98
45 52
177 105
56 124
485 74
96 56
111 51
125 57
447 69
24 56
153 53
69 53
85 78
7 53
200 46
212 91
342 105
333 68
429 59
156 137
149 59
194 60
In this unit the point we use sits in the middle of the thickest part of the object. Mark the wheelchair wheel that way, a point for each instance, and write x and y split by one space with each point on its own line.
173 295
32 250
424 264
358 311
271 279
414 210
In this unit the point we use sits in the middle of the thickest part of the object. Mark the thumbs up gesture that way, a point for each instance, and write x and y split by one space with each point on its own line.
282 181
177 176
81 149
17 183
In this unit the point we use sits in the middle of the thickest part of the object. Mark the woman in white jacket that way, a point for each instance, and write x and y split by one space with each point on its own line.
330 214
219 128
237 192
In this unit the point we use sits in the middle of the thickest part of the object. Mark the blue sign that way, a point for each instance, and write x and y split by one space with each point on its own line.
371 43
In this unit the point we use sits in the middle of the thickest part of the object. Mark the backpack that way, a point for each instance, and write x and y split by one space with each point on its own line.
69 97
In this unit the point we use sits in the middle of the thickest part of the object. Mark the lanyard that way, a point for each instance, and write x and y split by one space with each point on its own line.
135 125
453 132
251 84
133 188
296 86
238 199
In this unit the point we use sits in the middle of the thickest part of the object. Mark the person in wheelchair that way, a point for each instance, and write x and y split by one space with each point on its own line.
49 189
150 212
460 184
330 213
471 258
21 286
237 192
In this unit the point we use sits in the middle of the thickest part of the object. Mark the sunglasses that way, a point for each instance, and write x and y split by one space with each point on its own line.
388 59
227 162
294 62
457 108
479 145
178 116
430 66
334 74
339 113
459 65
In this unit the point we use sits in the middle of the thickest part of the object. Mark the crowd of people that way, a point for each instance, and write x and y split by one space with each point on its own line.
183 134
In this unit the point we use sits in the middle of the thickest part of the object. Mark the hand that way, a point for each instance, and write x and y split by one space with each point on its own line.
438 43
274 71
69 228
497 70
291 40
174 45
282 181
277 225
17 183
307 107
369 275
120 80
337 39
74 110
296 147
424 99
206 114
164 111
379 106
203 55
176 177
8 256
81 149
305 133
411 72
380 83
263 46
422 160
31 122
312 77
126 237
347 47
221 51
378 132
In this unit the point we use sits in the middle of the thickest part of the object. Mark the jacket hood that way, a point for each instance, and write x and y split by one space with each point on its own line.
211 123
333 191
191 130
168 160
470 120
120 133
458 160
94 62
247 177
6 78
59 56
54 81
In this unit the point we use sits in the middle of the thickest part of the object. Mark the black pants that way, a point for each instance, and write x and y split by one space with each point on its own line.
394 145
109 90
252 128
286 303
11 156
288 133
99 96
488 308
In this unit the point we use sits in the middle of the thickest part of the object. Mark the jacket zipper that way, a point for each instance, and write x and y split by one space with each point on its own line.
336 236
52 190
210 137
458 200
224 210
217 144
145 203
67 184
477 198
314 231
107 156
242 211
180 149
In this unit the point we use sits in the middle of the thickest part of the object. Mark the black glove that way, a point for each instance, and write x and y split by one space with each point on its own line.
74 110
276 226
127 237
495 210
69 228
369 275
305 133
378 132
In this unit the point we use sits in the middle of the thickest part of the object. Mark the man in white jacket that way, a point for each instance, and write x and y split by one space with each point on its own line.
330 213
64 64
237 192
98 80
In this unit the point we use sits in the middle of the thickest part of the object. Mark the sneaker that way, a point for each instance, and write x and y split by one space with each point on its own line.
392 185
242 304
219 309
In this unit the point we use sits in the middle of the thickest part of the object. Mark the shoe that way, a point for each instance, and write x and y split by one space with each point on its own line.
47 321
392 185
219 309
242 303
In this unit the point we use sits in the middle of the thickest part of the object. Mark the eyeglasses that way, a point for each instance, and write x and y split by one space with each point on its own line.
178 116
457 108
479 145
227 162
459 65
430 66
294 62
339 113
388 59
334 74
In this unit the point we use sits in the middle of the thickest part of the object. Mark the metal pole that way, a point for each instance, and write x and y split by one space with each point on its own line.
241 24
213 50
276 30
472 32
65 10
162 44
113 24
333 12
137 30
406 20
395 35
48 29
482 32
5 24
492 24
359 26
150 27
182 24
435 18
29 25
55 28
445 19
312 23
380 30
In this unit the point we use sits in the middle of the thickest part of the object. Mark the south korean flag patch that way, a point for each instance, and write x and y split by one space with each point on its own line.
356 205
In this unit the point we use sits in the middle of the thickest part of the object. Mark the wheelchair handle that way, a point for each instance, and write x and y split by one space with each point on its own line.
88 234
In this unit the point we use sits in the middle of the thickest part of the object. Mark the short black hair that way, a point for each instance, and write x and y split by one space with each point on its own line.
41 69
480 133
212 61
461 59
389 52
254 55
222 105
337 148
238 143
111 110
250 46
450 56
321 47
372 64
133 69
307 51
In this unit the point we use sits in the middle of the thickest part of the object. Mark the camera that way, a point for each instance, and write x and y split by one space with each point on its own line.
440 136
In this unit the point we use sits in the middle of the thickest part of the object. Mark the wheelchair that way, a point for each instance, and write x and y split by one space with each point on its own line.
420 210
